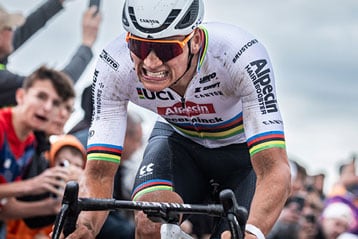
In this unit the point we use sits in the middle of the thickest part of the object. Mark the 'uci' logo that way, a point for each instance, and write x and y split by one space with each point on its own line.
162 95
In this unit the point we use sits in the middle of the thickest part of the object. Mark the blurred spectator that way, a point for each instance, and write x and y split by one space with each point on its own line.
309 226
347 184
287 225
298 177
347 235
11 38
66 151
353 227
120 223
336 219
38 102
318 184
40 164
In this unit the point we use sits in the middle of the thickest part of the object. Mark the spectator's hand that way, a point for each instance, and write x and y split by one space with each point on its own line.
52 180
90 26
53 204
75 173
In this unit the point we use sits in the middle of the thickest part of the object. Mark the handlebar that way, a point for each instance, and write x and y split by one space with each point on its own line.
156 211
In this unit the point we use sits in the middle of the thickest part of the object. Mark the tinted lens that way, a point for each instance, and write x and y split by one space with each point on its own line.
138 48
165 51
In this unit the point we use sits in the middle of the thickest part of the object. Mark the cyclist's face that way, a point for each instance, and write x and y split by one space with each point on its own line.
157 75
38 104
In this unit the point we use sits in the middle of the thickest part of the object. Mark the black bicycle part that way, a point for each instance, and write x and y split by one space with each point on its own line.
236 215
69 212
156 211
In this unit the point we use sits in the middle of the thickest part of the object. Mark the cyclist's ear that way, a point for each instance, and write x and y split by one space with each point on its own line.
196 41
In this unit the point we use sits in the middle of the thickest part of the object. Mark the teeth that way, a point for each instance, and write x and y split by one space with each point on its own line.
160 74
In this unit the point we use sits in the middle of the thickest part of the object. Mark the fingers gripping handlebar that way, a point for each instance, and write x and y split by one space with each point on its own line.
156 211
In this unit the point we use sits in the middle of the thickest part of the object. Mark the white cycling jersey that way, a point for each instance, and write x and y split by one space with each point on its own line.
231 99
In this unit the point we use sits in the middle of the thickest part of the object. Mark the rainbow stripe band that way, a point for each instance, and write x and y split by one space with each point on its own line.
223 130
271 139
151 186
105 152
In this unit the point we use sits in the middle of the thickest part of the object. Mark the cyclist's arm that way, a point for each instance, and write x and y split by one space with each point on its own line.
104 148
96 183
272 187
264 130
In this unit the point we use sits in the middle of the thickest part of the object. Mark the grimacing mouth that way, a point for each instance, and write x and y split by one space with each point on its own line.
159 74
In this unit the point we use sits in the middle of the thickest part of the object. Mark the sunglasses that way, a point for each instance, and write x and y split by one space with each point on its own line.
164 49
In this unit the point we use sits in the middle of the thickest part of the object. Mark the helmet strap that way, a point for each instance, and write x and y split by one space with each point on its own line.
190 57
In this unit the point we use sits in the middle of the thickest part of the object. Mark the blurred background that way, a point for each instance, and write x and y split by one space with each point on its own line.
313 48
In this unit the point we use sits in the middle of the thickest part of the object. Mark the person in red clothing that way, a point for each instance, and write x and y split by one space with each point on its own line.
38 102
66 151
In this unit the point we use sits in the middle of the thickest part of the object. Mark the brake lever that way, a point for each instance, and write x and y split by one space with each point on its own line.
70 198
236 215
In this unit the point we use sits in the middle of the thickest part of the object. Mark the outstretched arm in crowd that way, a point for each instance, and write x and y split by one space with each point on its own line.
36 20
10 81
14 209
48 181
90 26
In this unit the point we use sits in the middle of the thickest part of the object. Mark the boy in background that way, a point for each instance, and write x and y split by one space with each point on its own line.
38 102
68 152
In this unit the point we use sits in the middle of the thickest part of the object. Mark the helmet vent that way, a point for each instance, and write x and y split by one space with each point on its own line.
172 16
190 16
124 18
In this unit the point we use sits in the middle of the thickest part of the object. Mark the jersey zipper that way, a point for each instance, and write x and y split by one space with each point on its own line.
182 102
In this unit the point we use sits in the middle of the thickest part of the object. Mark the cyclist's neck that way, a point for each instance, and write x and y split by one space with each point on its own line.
182 83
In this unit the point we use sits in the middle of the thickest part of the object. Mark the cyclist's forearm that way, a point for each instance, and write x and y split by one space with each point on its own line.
272 188
96 183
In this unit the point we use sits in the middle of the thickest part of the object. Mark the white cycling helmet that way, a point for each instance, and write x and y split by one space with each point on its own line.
154 19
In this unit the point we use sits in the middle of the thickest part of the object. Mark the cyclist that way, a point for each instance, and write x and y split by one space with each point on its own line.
212 85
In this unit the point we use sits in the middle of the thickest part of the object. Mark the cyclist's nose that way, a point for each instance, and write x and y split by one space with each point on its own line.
152 60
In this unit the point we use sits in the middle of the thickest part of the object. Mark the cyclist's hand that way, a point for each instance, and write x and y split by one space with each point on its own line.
226 235
81 232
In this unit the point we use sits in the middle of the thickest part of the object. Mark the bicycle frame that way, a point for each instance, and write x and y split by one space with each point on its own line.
166 213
